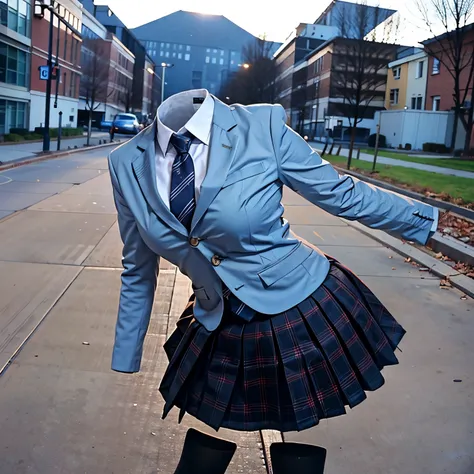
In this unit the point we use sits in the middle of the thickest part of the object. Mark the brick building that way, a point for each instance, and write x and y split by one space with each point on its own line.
440 82
67 41
107 73
311 62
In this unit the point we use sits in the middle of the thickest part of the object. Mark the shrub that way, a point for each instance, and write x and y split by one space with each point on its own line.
13 137
66 131
33 136
435 147
382 141
407 146
19 131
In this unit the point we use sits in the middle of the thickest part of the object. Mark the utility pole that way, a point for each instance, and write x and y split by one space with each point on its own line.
47 109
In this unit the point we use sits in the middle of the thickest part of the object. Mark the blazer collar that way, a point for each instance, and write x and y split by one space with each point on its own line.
223 115
222 150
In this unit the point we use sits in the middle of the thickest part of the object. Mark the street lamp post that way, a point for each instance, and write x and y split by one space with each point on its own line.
164 66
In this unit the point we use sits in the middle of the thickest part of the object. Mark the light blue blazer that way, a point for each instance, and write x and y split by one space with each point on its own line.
238 235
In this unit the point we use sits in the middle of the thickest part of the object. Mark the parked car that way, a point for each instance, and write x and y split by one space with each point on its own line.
106 125
125 123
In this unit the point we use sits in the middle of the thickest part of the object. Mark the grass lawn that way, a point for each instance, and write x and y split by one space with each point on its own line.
417 180
442 162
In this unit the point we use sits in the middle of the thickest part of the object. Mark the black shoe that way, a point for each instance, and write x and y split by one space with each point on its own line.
204 454
296 458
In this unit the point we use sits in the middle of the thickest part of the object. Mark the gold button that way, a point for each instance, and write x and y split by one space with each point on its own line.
194 241
215 260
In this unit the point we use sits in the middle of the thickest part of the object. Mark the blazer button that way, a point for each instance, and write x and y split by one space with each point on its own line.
194 241
215 260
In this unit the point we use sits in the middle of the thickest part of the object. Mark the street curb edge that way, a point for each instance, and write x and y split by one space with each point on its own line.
437 268
268 437
38 159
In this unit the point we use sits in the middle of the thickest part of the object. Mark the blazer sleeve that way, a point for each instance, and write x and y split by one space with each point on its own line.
139 276
303 170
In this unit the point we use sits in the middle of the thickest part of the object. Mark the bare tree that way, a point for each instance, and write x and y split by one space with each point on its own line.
95 76
254 82
452 45
360 65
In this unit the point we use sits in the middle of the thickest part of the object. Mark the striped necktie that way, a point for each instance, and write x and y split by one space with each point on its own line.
182 193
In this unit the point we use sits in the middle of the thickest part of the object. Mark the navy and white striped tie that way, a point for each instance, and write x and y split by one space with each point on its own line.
182 194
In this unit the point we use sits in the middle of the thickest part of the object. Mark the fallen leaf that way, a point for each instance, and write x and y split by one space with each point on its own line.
393 268
464 297
85 343
408 260
445 284
439 255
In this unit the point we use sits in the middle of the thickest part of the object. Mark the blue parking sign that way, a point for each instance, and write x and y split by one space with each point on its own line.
44 73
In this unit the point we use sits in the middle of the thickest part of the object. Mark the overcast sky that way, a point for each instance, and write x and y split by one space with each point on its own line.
259 16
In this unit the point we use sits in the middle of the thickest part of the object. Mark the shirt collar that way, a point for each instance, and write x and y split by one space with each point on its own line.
178 114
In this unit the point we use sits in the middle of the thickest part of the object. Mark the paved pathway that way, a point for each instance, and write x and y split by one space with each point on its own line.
403 164
63 411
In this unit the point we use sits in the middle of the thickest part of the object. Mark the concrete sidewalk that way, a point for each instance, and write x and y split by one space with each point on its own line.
62 410
16 151
404 164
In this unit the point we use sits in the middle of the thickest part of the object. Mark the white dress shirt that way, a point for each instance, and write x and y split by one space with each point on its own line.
181 113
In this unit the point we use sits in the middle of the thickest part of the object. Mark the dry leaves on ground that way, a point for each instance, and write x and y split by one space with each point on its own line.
457 227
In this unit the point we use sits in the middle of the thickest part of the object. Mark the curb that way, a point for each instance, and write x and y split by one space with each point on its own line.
447 206
268 437
436 267
50 156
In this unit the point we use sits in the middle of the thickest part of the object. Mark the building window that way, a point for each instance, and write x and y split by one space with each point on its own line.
221 61
232 62
15 14
394 96
13 65
222 52
214 51
436 66
162 53
180 46
416 103
197 79
419 69
208 59
180 55
188 48
174 46
436 103
187 57
167 54
174 55
12 115
214 60
396 72
208 50
167 45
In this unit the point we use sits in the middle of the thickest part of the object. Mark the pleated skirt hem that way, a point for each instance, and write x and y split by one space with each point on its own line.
283 372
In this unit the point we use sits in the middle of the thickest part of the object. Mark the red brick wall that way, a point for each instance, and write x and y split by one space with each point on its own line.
442 84
69 57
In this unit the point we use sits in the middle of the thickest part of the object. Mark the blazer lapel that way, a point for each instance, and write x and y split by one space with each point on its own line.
222 149
145 173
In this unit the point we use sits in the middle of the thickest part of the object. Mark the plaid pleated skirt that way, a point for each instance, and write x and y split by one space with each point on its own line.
286 371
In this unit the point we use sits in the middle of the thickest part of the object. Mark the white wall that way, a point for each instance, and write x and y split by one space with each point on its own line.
415 127
416 87
66 105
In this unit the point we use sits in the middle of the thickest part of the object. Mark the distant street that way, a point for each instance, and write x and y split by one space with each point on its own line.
16 151
63 411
